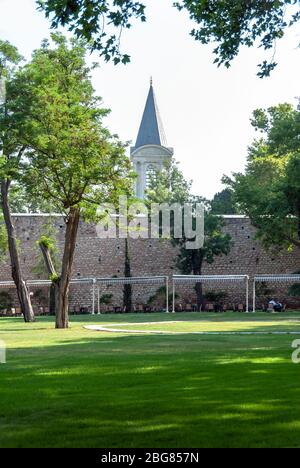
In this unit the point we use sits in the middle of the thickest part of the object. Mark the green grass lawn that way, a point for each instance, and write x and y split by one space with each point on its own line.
81 388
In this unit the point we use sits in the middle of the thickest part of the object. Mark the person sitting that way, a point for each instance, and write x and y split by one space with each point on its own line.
275 305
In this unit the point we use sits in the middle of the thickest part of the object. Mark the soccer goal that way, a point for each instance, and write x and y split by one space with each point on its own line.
211 279
33 285
99 283
272 279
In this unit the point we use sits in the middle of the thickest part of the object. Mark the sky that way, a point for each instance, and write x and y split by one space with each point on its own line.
205 110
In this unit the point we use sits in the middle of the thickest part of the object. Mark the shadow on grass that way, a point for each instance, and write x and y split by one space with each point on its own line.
141 391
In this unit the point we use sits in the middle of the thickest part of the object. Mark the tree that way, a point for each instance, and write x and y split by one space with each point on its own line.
99 22
170 186
11 151
269 190
3 242
216 244
127 292
294 289
22 202
72 160
49 260
223 204
47 245
230 24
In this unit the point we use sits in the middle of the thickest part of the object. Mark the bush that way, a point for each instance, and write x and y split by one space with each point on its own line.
106 299
213 296
6 301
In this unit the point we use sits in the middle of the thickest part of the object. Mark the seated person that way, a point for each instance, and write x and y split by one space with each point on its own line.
275 305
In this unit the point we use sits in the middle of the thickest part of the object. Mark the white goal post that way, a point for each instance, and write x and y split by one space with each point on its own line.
95 285
208 279
272 279
48 283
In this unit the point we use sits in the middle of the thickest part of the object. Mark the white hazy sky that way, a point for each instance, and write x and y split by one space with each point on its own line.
205 109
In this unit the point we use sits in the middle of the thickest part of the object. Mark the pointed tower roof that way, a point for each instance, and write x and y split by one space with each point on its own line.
151 130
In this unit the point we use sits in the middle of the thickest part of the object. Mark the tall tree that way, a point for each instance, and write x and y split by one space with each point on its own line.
12 151
269 190
170 186
216 243
127 292
229 24
72 160
223 203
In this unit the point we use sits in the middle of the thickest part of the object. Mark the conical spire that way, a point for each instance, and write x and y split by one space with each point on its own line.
151 131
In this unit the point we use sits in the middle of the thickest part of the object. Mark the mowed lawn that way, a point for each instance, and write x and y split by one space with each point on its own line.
81 388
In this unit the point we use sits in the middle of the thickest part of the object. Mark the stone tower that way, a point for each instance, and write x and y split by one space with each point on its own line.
151 150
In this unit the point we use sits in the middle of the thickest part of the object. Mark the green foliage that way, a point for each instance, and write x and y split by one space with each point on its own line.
6 301
3 242
10 146
47 242
21 201
168 185
294 289
216 244
106 299
223 204
100 22
269 191
160 296
214 296
9 56
54 278
263 291
40 297
228 24
72 159
232 24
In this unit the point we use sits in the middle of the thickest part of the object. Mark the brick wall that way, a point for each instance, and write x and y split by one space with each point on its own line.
105 258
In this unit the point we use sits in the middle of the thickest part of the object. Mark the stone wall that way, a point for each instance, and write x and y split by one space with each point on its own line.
105 258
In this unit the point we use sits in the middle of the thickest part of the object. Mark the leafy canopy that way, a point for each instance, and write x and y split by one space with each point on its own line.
72 160
99 22
169 186
232 24
223 204
269 191
228 24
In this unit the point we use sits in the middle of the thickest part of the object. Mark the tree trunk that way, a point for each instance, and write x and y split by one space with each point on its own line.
197 270
52 272
200 297
52 300
22 290
127 292
62 308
